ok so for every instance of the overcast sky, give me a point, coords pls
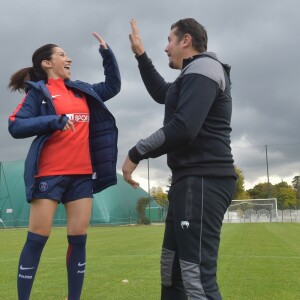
(259, 39)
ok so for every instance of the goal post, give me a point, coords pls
(252, 210)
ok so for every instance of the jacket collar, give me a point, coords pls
(192, 58)
(84, 87)
(39, 85)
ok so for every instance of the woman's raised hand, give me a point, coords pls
(100, 40)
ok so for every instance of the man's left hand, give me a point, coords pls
(127, 169)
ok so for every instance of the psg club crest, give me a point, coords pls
(43, 186)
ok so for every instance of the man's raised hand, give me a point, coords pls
(135, 39)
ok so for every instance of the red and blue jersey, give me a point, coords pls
(67, 152)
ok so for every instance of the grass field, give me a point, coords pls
(257, 261)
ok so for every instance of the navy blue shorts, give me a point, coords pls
(63, 188)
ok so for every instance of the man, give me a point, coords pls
(196, 138)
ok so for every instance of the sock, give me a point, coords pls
(28, 264)
(76, 265)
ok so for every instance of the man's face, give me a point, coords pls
(174, 51)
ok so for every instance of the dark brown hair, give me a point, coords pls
(195, 29)
(34, 73)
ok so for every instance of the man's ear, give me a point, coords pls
(46, 64)
(187, 40)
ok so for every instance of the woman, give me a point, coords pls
(73, 155)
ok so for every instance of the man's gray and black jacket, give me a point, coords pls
(198, 107)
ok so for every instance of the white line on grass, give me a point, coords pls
(89, 257)
(260, 256)
(157, 256)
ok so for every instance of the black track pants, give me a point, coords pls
(192, 237)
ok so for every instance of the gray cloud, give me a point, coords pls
(259, 39)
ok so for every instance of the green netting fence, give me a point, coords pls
(113, 206)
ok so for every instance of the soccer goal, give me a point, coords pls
(252, 210)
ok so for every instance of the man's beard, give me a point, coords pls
(172, 66)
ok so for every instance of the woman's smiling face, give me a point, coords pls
(59, 65)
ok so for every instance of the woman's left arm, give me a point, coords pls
(112, 84)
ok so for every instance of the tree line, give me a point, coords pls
(288, 196)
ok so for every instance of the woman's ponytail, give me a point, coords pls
(34, 73)
(17, 80)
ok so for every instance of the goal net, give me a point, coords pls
(252, 210)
